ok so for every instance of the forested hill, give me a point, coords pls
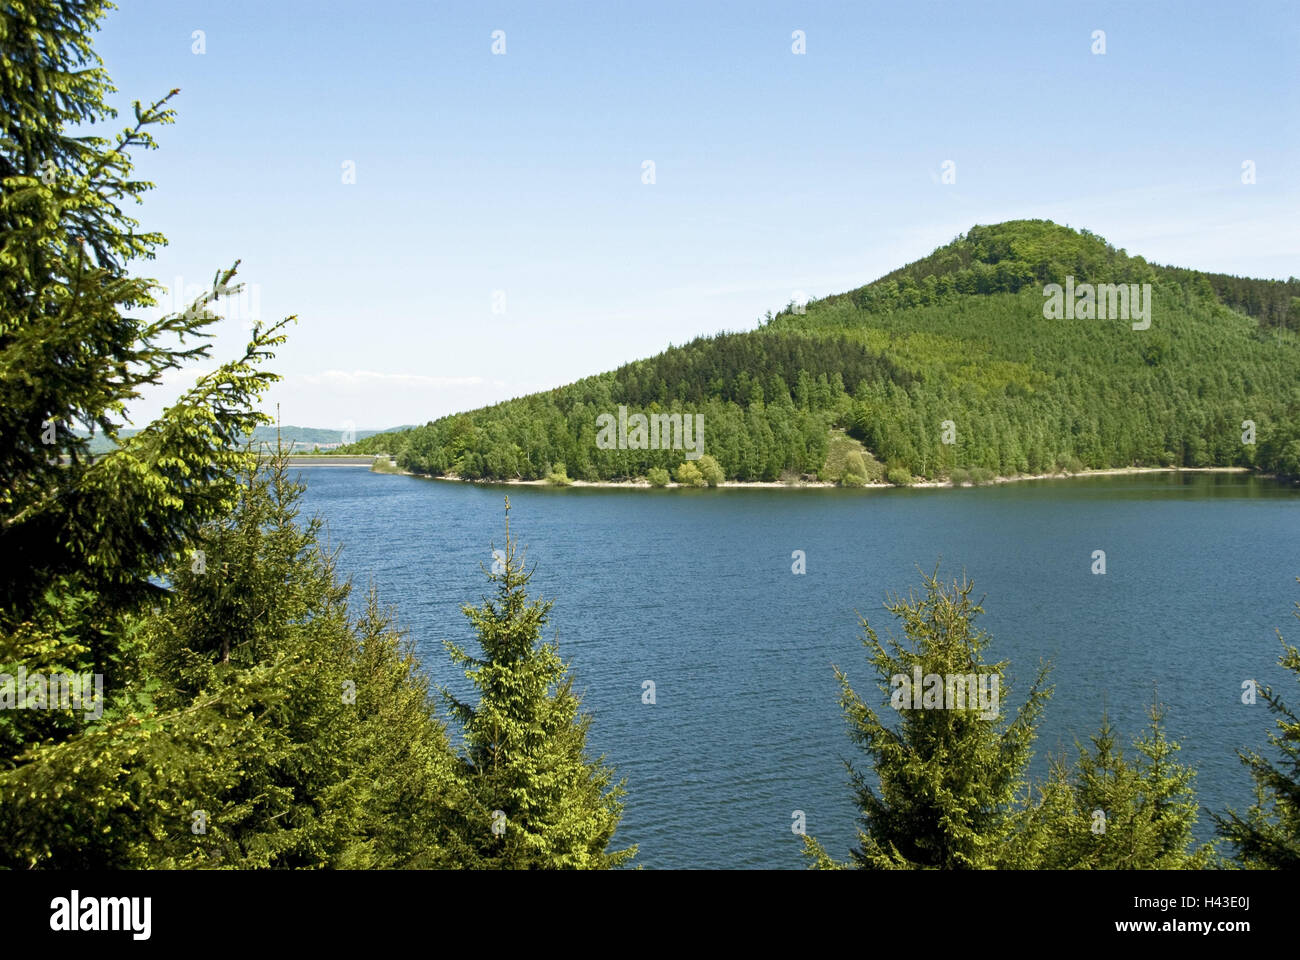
(945, 366)
(1009, 256)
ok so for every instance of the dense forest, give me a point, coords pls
(944, 368)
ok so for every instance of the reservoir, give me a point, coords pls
(694, 590)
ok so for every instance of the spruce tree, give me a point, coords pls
(415, 808)
(1267, 835)
(1110, 813)
(82, 540)
(72, 355)
(306, 738)
(539, 801)
(950, 779)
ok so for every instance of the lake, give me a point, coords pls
(694, 591)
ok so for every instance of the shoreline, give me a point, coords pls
(827, 485)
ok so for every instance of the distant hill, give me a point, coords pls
(952, 363)
(296, 439)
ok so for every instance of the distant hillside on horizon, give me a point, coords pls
(293, 438)
(956, 363)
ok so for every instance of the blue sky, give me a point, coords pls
(775, 173)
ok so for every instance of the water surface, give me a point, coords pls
(694, 590)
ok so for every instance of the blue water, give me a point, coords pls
(694, 590)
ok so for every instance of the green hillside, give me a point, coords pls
(954, 347)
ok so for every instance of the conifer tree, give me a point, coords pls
(1110, 813)
(82, 541)
(310, 740)
(72, 355)
(416, 803)
(539, 801)
(1267, 835)
(951, 789)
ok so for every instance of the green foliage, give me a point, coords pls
(411, 806)
(1279, 448)
(253, 707)
(711, 470)
(65, 293)
(1156, 349)
(855, 465)
(1267, 836)
(950, 783)
(240, 687)
(1011, 256)
(247, 720)
(688, 475)
(1108, 813)
(958, 476)
(899, 477)
(525, 741)
(960, 336)
(392, 443)
(331, 754)
(849, 463)
(951, 788)
(558, 477)
(82, 542)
